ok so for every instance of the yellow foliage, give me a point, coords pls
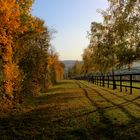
(8, 86)
(7, 54)
(11, 23)
(53, 62)
(5, 105)
(15, 20)
(10, 72)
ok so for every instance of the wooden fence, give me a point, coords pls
(127, 81)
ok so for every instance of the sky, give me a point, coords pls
(71, 19)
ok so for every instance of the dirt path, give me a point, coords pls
(74, 110)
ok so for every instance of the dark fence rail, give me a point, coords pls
(131, 81)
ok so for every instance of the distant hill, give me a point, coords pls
(68, 64)
(134, 69)
(136, 64)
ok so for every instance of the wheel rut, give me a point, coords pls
(120, 106)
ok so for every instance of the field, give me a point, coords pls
(75, 110)
(125, 86)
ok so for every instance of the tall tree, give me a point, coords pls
(77, 68)
(55, 67)
(124, 17)
(11, 17)
(15, 19)
(101, 46)
(33, 58)
(87, 62)
(115, 41)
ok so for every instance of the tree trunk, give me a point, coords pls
(7, 70)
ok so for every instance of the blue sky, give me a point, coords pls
(71, 19)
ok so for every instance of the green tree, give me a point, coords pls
(34, 59)
(77, 68)
(124, 17)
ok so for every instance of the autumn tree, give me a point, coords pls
(17, 27)
(70, 73)
(76, 70)
(12, 22)
(87, 61)
(33, 58)
(55, 67)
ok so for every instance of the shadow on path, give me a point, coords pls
(106, 127)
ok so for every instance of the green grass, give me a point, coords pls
(124, 89)
(75, 110)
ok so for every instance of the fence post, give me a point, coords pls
(108, 81)
(103, 81)
(120, 83)
(93, 79)
(130, 83)
(96, 80)
(100, 81)
(114, 83)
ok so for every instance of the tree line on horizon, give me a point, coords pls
(28, 63)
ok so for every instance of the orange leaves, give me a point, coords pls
(10, 14)
(11, 23)
(55, 65)
(10, 75)
(9, 72)
(3, 38)
(7, 54)
(16, 24)
(8, 87)
(6, 4)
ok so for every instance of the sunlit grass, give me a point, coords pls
(74, 110)
(124, 86)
